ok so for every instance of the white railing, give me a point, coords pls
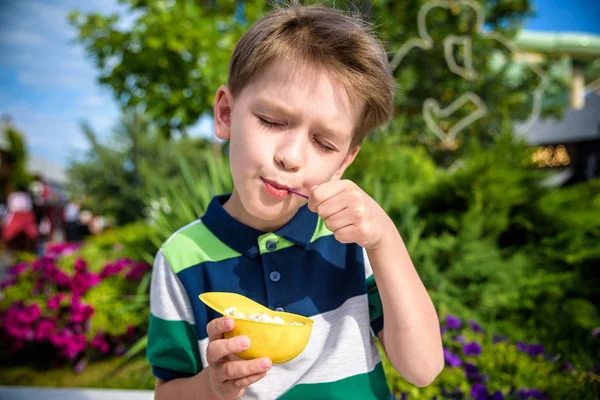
(37, 393)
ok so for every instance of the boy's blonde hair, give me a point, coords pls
(325, 38)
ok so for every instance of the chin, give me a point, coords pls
(266, 208)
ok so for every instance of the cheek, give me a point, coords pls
(320, 172)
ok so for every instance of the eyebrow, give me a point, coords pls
(280, 108)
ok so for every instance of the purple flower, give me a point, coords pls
(498, 339)
(536, 394)
(479, 392)
(596, 332)
(535, 349)
(452, 359)
(472, 349)
(443, 329)
(475, 327)
(472, 373)
(459, 339)
(497, 395)
(567, 366)
(453, 322)
(522, 347)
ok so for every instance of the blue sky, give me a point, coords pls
(48, 86)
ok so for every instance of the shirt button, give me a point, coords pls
(279, 308)
(271, 245)
(275, 276)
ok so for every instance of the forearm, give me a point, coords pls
(196, 387)
(411, 325)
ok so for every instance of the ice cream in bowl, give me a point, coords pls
(279, 335)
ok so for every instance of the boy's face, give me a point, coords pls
(288, 128)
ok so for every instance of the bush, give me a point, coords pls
(61, 307)
(495, 244)
(482, 366)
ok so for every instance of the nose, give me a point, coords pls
(290, 151)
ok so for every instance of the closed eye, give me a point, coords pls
(268, 124)
(323, 147)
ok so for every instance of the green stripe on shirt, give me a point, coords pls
(174, 345)
(369, 386)
(182, 250)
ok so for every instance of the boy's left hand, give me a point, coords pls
(351, 214)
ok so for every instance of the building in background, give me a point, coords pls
(570, 145)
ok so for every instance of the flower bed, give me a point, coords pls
(489, 367)
(60, 307)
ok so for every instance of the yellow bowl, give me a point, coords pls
(280, 343)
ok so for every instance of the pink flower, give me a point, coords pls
(19, 330)
(80, 312)
(17, 269)
(60, 338)
(100, 343)
(137, 271)
(114, 268)
(130, 331)
(80, 265)
(59, 277)
(11, 280)
(29, 314)
(44, 329)
(80, 366)
(54, 301)
(83, 281)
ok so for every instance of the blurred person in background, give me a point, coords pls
(20, 230)
(71, 222)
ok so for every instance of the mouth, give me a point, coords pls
(275, 189)
(275, 184)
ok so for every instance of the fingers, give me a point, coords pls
(340, 220)
(222, 348)
(218, 326)
(243, 383)
(324, 192)
(236, 370)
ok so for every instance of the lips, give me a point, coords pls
(275, 189)
(275, 184)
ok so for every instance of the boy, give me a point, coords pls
(305, 86)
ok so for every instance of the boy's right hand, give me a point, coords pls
(229, 375)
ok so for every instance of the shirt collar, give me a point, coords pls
(244, 239)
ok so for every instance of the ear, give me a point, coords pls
(345, 164)
(222, 111)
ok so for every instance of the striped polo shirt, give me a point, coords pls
(300, 268)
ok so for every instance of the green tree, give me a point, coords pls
(172, 59)
(17, 159)
(113, 176)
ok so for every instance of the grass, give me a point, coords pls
(136, 374)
